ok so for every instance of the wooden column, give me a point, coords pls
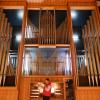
(72, 48)
(54, 27)
(39, 35)
(64, 82)
(21, 50)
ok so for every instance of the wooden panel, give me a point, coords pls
(52, 1)
(24, 93)
(13, 4)
(88, 93)
(8, 93)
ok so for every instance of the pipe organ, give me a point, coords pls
(47, 50)
(47, 28)
(46, 61)
(6, 68)
(91, 39)
(47, 32)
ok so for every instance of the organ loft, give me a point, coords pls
(57, 40)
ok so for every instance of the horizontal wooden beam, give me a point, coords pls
(73, 5)
(98, 3)
(48, 46)
(12, 4)
(47, 7)
(36, 77)
(20, 4)
(82, 6)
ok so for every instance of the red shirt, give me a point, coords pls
(47, 90)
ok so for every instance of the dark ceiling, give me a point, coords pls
(82, 16)
(16, 23)
(60, 16)
(13, 18)
(78, 23)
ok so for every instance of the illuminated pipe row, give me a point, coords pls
(5, 38)
(47, 29)
(62, 33)
(91, 45)
(41, 65)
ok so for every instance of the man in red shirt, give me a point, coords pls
(47, 90)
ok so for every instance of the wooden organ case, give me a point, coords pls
(47, 52)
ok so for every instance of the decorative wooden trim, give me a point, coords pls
(48, 46)
(82, 6)
(98, 3)
(21, 48)
(12, 4)
(63, 6)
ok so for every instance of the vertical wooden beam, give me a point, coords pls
(51, 32)
(45, 34)
(65, 34)
(54, 26)
(72, 48)
(64, 82)
(49, 35)
(42, 27)
(21, 48)
(48, 29)
(39, 35)
(71, 43)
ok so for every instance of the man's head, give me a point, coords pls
(47, 81)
